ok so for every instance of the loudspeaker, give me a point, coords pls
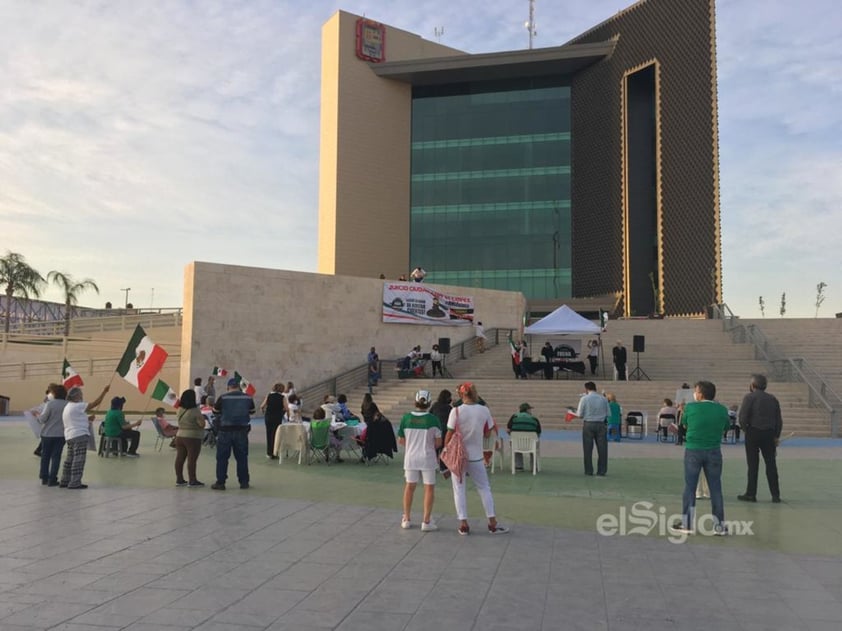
(639, 344)
(444, 345)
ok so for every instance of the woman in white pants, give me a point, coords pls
(474, 421)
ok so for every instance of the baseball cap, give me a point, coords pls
(233, 382)
(524, 407)
(422, 394)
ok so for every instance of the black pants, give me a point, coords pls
(594, 361)
(437, 366)
(130, 438)
(595, 432)
(621, 372)
(761, 441)
(271, 428)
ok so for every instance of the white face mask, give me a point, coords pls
(50, 396)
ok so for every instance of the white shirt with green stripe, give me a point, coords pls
(420, 431)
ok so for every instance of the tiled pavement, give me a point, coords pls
(129, 555)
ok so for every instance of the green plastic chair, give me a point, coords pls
(320, 441)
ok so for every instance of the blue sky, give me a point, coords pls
(138, 136)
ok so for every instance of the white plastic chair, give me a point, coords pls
(494, 444)
(291, 437)
(526, 443)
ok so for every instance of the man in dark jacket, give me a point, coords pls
(235, 408)
(760, 418)
(523, 421)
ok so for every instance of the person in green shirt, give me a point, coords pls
(705, 420)
(115, 424)
(615, 417)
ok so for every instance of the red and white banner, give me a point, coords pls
(417, 303)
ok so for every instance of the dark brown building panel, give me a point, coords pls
(676, 38)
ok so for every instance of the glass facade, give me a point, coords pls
(490, 201)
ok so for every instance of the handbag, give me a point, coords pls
(453, 455)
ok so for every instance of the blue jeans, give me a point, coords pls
(614, 430)
(239, 443)
(696, 460)
(51, 448)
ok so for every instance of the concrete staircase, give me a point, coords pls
(676, 351)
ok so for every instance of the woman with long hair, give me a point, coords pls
(474, 422)
(188, 440)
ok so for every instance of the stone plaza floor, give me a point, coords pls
(320, 547)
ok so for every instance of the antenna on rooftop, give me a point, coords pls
(530, 23)
(438, 32)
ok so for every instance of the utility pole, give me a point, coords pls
(127, 290)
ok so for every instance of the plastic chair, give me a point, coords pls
(112, 444)
(348, 439)
(319, 441)
(526, 443)
(160, 438)
(664, 422)
(634, 425)
(289, 438)
(494, 444)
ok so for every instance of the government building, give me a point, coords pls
(585, 170)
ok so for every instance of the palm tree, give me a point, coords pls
(18, 278)
(71, 290)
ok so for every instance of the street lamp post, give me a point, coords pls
(127, 290)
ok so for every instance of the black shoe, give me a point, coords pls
(63, 485)
(776, 500)
(218, 486)
(44, 481)
(244, 485)
(590, 474)
(196, 484)
(181, 482)
(52, 483)
(81, 486)
(747, 498)
(601, 475)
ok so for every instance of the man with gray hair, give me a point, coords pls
(760, 418)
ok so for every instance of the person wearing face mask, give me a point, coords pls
(52, 433)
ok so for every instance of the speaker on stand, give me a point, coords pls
(638, 346)
(444, 349)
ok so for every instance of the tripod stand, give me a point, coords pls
(638, 370)
(444, 371)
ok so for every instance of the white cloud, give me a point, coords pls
(136, 137)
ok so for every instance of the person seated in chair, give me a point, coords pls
(331, 408)
(666, 410)
(166, 429)
(735, 426)
(346, 414)
(523, 421)
(334, 442)
(116, 425)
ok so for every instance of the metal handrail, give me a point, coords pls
(358, 375)
(52, 369)
(790, 369)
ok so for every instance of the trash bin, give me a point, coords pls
(4, 405)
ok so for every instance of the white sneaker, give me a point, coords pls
(428, 526)
(405, 523)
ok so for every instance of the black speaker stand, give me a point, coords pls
(638, 372)
(444, 371)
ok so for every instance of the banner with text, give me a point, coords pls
(415, 303)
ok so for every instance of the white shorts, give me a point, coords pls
(413, 476)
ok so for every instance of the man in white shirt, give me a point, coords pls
(593, 410)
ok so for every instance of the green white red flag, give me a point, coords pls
(515, 352)
(219, 372)
(245, 384)
(70, 377)
(162, 392)
(142, 360)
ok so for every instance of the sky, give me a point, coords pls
(136, 137)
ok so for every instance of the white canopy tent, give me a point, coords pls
(565, 321)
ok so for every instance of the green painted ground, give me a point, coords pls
(809, 521)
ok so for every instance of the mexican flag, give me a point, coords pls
(245, 384)
(142, 360)
(219, 372)
(515, 352)
(70, 377)
(164, 393)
